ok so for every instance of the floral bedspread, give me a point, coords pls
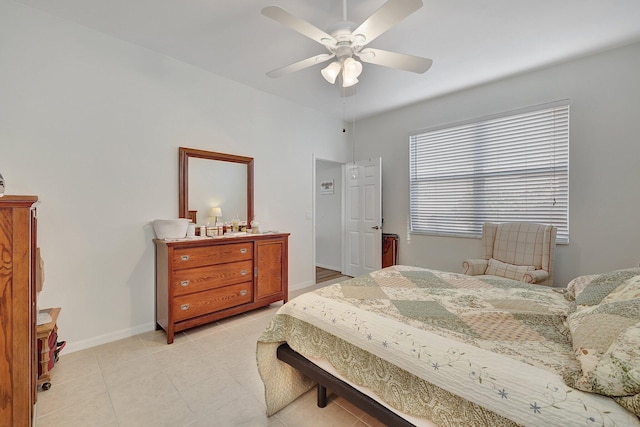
(455, 349)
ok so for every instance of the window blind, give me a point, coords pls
(512, 167)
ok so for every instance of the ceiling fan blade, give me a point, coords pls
(415, 64)
(300, 25)
(389, 14)
(300, 65)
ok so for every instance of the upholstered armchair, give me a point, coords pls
(520, 251)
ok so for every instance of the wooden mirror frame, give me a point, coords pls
(184, 154)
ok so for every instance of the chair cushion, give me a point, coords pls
(605, 332)
(509, 271)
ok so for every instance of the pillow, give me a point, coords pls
(605, 332)
(510, 271)
(602, 285)
(576, 286)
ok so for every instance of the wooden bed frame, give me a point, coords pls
(326, 380)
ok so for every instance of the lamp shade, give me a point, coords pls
(331, 71)
(216, 212)
(351, 70)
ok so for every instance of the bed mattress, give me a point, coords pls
(449, 348)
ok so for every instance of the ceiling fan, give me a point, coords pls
(347, 45)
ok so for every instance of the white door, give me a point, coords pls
(363, 217)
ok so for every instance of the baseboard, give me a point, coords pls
(140, 329)
(107, 338)
(302, 285)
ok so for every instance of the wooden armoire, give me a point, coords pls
(18, 354)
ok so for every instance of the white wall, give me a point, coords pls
(92, 125)
(328, 215)
(604, 90)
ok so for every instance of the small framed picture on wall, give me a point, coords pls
(326, 187)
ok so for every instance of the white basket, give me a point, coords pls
(171, 228)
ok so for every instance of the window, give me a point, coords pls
(511, 167)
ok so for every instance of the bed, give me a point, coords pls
(441, 348)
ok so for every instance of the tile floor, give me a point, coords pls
(207, 377)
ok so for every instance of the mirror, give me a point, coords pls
(207, 179)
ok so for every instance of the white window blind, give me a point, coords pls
(513, 167)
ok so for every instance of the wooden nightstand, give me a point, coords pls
(47, 335)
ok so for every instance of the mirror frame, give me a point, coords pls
(184, 154)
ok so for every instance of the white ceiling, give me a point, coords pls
(470, 41)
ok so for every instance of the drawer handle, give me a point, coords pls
(184, 283)
(243, 293)
(243, 250)
(184, 307)
(243, 272)
(184, 258)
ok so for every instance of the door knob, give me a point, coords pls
(375, 228)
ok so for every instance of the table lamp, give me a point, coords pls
(215, 214)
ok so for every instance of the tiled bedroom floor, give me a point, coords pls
(207, 377)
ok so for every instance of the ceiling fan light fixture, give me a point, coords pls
(331, 71)
(348, 81)
(352, 68)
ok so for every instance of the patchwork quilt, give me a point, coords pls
(453, 349)
(605, 330)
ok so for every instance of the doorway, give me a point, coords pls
(328, 217)
(344, 191)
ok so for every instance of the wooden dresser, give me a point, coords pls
(202, 280)
(18, 354)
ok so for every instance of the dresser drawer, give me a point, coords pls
(211, 277)
(193, 305)
(207, 255)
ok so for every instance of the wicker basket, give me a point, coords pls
(171, 228)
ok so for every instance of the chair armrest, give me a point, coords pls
(535, 276)
(475, 267)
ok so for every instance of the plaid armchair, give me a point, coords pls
(521, 251)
